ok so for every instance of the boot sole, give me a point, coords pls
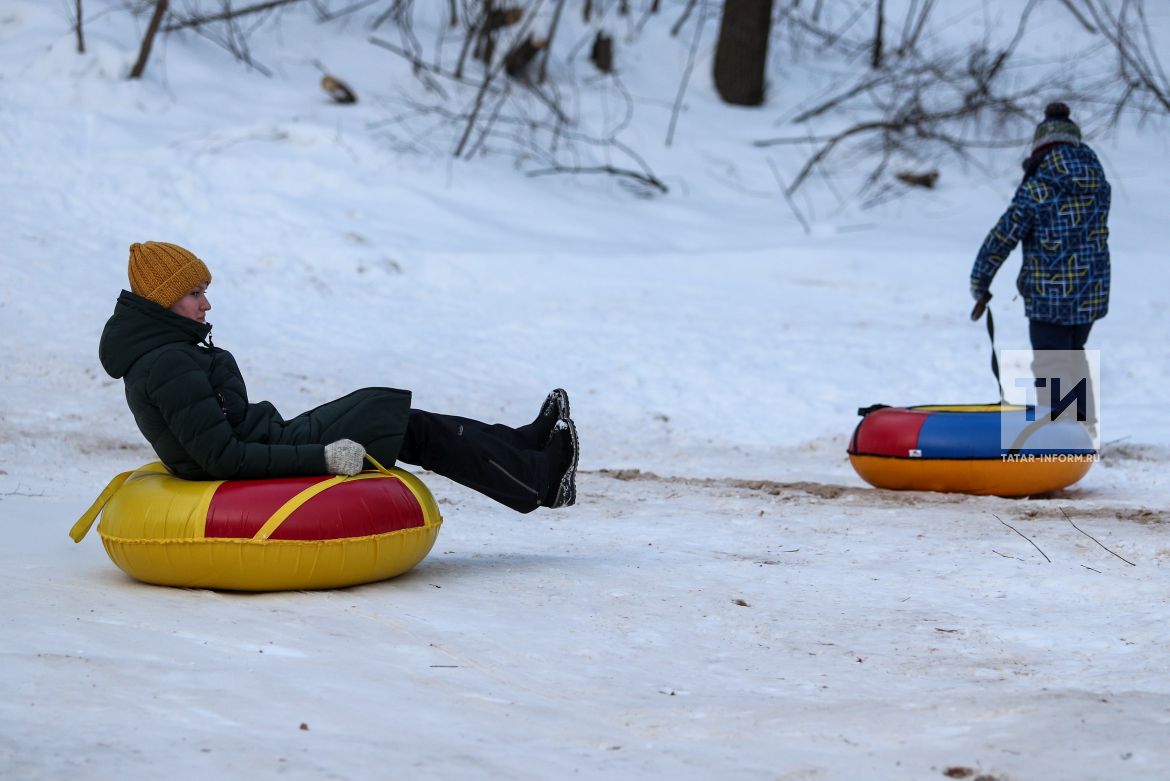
(567, 490)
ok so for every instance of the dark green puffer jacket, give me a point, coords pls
(190, 402)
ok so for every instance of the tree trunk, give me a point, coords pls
(742, 51)
(160, 10)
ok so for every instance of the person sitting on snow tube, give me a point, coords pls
(190, 402)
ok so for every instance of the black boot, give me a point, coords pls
(563, 452)
(555, 407)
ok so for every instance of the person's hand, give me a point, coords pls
(981, 296)
(344, 457)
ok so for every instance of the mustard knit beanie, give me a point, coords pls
(163, 272)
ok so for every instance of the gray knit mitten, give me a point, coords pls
(344, 457)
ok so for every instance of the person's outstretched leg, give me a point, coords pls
(486, 458)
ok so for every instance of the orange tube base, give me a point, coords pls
(1007, 477)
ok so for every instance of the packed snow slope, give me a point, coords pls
(727, 599)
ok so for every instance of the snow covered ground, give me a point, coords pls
(727, 600)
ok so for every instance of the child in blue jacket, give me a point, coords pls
(1061, 213)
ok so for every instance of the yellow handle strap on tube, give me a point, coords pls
(85, 522)
(377, 466)
(292, 505)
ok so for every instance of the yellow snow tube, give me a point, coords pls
(264, 535)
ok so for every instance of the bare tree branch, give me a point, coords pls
(230, 13)
(552, 34)
(875, 60)
(912, 31)
(80, 32)
(325, 15)
(605, 169)
(682, 87)
(683, 19)
(1072, 9)
(1144, 66)
(917, 106)
(419, 65)
(521, 34)
(788, 196)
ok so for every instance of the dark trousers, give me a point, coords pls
(1068, 363)
(1054, 336)
(498, 461)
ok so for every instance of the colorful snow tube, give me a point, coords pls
(986, 449)
(264, 535)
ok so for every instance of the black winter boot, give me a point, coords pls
(563, 452)
(554, 408)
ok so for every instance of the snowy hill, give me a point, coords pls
(727, 600)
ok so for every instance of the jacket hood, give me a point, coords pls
(1062, 156)
(138, 326)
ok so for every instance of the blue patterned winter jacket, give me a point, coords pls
(1061, 214)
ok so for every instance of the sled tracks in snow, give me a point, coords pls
(804, 491)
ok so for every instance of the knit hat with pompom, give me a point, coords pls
(1056, 128)
(164, 273)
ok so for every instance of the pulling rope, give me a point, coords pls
(981, 307)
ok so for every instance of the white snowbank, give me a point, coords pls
(688, 621)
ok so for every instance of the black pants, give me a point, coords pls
(1054, 336)
(1066, 344)
(500, 462)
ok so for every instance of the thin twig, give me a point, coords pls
(325, 15)
(472, 32)
(421, 69)
(1072, 9)
(485, 131)
(1115, 32)
(788, 196)
(17, 492)
(1017, 531)
(483, 88)
(913, 26)
(419, 64)
(80, 32)
(491, 73)
(395, 8)
(682, 87)
(552, 34)
(829, 145)
(604, 169)
(837, 100)
(1094, 539)
(199, 21)
(683, 19)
